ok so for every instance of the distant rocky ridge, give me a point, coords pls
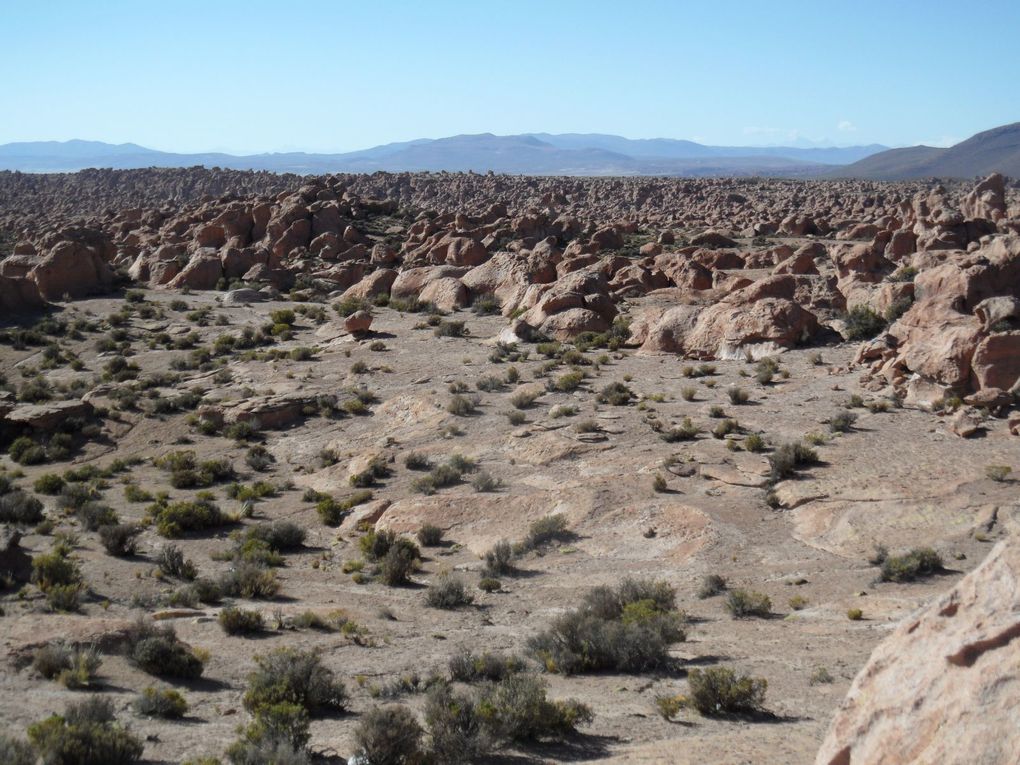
(535, 154)
(992, 151)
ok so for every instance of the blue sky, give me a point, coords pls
(336, 76)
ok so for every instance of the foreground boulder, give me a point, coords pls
(942, 688)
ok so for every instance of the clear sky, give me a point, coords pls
(190, 75)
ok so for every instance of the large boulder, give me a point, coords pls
(942, 689)
(987, 199)
(71, 268)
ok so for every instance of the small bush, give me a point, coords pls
(120, 539)
(754, 443)
(388, 736)
(862, 323)
(54, 569)
(400, 562)
(430, 535)
(490, 584)
(447, 328)
(998, 473)
(86, 734)
(156, 650)
(174, 519)
(20, 508)
(249, 580)
(854, 614)
(468, 667)
(287, 675)
(919, 562)
(446, 591)
(417, 461)
(685, 431)
(462, 406)
(16, 752)
(711, 585)
(737, 396)
(548, 529)
(48, 483)
(71, 667)
(499, 559)
(459, 730)
(743, 604)
(615, 394)
(171, 561)
(240, 621)
(842, 422)
(720, 691)
(167, 703)
(484, 482)
(785, 460)
(519, 710)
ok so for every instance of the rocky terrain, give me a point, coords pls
(538, 469)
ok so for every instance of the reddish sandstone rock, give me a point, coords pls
(996, 361)
(358, 322)
(71, 268)
(942, 688)
(202, 273)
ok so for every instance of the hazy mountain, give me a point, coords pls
(995, 150)
(535, 154)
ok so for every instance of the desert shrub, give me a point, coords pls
(389, 736)
(468, 667)
(489, 584)
(798, 602)
(854, 614)
(71, 667)
(14, 751)
(417, 461)
(258, 458)
(120, 539)
(277, 736)
(48, 483)
(174, 519)
(25, 451)
(430, 535)
(685, 431)
(754, 443)
(171, 561)
(742, 604)
(54, 569)
(446, 591)
(86, 734)
(862, 323)
(518, 709)
(400, 561)
(64, 597)
(499, 559)
(725, 428)
(458, 729)
(615, 394)
(282, 536)
(447, 328)
(93, 516)
(490, 383)
(332, 511)
(998, 473)
(485, 482)
(842, 421)
(156, 650)
(548, 529)
(785, 460)
(249, 580)
(523, 399)
(20, 508)
(568, 382)
(290, 676)
(919, 562)
(186, 472)
(720, 691)
(737, 396)
(167, 703)
(627, 629)
(240, 621)
(461, 405)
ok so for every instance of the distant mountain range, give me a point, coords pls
(995, 150)
(561, 154)
(534, 154)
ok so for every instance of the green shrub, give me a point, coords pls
(737, 396)
(862, 323)
(86, 734)
(615, 394)
(156, 650)
(25, 451)
(281, 536)
(517, 709)
(54, 569)
(14, 751)
(467, 667)
(720, 691)
(64, 597)
(448, 328)
(174, 519)
(458, 729)
(20, 508)
(48, 483)
(919, 562)
(120, 539)
(287, 675)
(400, 561)
(842, 421)
(685, 431)
(171, 561)
(71, 667)
(240, 621)
(489, 584)
(389, 736)
(167, 703)
(249, 580)
(785, 460)
(277, 736)
(417, 461)
(627, 629)
(742, 604)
